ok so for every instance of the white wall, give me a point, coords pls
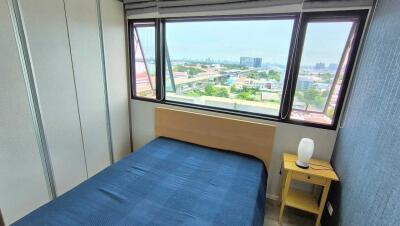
(112, 16)
(48, 42)
(84, 37)
(287, 138)
(22, 180)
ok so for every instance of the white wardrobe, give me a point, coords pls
(64, 97)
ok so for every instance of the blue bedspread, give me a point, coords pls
(166, 182)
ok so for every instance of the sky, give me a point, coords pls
(230, 40)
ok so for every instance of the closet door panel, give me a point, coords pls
(84, 36)
(112, 16)
(23, 185)
(46, 33)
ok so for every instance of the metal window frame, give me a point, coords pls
(292, 67)
(266, 17)
(132, 69)
(357, 16)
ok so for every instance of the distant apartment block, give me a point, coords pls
(320, 66)
(250, 61)
(333, 67)
(304, 82)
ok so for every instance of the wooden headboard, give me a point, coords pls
(241, 136)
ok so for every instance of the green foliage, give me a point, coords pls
(274, 75)
(233, 89)
(257, 75)
(326, 77)
(190, 64)
(221, 92)
(311, 96)
(251, 91)
(194, 71)
(245, 96)
(234, 67)
(271, 75)
(190, 70)
(179, 67)
(210, 90)
(195, 93)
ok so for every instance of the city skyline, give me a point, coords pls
(224, 44)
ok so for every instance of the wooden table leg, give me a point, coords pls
(284, 194)
(323, 201)
(284, 174)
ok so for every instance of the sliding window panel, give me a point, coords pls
(47, 39)
(113, 25)
(21, 169)
(84, 36)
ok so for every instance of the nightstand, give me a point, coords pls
(320, 173)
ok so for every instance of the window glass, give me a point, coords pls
(324, 60)
(144, 59)
(236, 65)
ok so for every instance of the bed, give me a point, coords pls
(171, 182)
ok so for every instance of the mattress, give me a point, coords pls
(166, 182)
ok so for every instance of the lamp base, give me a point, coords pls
(302, 165)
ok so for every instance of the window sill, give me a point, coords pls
(238, 113)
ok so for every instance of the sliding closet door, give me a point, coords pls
(22, 179)
(84, 33)
(47, 38)
(112, 16)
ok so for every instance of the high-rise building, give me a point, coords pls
(250, 61)
(257, 62)
(333, 67)
(320, 66)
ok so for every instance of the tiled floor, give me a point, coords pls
(291, 216)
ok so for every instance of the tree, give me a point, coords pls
(326, 77)
(257, 75)
(311, 96)
(233, 67)
(245, 96)
(221, 92)
(251, 90)
(209, 90)
(233, 89)
(195, 93)
(274, 75)
(191, 70)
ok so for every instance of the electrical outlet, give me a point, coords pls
(330, 208)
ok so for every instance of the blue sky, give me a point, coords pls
(270, 40)
(230, 40)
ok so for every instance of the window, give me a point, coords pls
(277, 67)
(324, 68)
(236, 65)
(143, 52)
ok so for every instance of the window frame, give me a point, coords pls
(132, 69)
(358, 16)
(292, 67)
(294, 16)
